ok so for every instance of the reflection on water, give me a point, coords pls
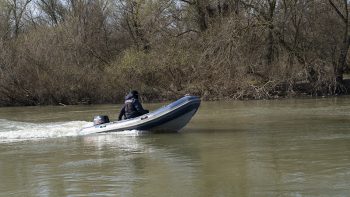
(252, 148)
(106, 165)
(148, 163)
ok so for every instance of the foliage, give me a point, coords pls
(83, 51)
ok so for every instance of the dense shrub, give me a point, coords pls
(71, 52)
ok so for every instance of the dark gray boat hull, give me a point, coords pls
(170, 118)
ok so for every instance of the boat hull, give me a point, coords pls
(170, 118)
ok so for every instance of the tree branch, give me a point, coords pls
(189, 2)
(338, 11)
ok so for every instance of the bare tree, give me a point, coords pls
(342, 10)
(265, 12)
(17, 9)
(54, 9)
(5, 21)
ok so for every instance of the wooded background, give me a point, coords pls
(95, 51)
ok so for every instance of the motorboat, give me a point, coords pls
(170, 118)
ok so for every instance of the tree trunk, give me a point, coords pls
(201, 18)
(344, 47)
(339, 67)
(270, 47)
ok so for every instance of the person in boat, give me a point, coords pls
(132, 107)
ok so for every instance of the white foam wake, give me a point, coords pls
(13, 130)
(18, 131)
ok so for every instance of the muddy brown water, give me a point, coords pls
(296, 147)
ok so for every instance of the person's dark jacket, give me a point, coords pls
(132, 108)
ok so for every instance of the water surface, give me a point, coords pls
(298, 147)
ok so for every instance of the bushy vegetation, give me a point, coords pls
(94, 51)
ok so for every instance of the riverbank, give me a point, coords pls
(300, 90)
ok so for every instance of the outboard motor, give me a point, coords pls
(102, 119)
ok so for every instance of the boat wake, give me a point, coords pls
(18, 131)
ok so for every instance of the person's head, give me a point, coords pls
(135, 94)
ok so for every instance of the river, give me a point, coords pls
(294, 147)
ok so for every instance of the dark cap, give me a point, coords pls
(135, 94)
